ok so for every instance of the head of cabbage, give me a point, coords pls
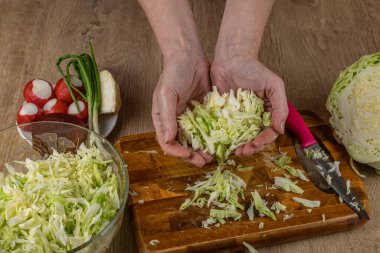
(354, 105)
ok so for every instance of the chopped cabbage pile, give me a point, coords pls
(354, 105)
(222, 189)
(223, 122)
(58, 204)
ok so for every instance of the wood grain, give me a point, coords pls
(306, 42)
(160, 181)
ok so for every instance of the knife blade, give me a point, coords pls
(322, 163)
(309, 167)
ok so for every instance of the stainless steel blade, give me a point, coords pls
(311, 170)
(324, 167)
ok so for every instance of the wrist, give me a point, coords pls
(176, 49)
(233, 48)
(242, 28)
(189, 55)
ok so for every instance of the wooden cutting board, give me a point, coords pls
(160, 182)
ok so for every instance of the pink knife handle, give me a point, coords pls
(297, 125)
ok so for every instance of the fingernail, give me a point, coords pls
(282, 128)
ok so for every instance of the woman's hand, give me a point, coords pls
(185, 77)
(243, 70)
(236, 66)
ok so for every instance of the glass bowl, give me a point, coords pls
(38, 139)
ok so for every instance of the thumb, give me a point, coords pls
(168, 114)
(277, 98)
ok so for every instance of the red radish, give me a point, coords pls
(62, 92)
(55, 106)
(28, 112)
(82, 114)
(38, 92)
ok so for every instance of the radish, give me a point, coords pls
(38, 92)
(82, 114)
(55, 106)
(28, 112)
(63, 93)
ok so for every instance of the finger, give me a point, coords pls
(265, 137)
(222, 88)
(167, 107)
(196, 159)
(206, 156)
(239, 151)
(176, 150)
(277, 97)
(173, 149)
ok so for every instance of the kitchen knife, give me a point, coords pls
(323, 164)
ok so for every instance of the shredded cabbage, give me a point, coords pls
(348, 185)
(287, 185)
(250, 248)
(247, 168)
(283, 162)
(354, 105)
(278, 207)
(223, 122)
(154, 243)
(221, 191)
(287, 217)
(307, 203)
(302, 176)
(261, 206)
(58, 204)
(250, 212)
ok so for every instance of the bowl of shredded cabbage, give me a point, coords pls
(63, 188)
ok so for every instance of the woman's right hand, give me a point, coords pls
(185, 77)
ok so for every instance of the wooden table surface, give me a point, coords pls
(307, 42)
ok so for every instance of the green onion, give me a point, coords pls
(86, 68)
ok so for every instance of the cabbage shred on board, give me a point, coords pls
(354, 105)
(223, 122)
(59, 203)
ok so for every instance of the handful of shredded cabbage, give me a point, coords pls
(223, 122)
(58, 204)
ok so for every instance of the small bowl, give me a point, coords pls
(37, 140)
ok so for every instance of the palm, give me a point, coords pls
(248, 73)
